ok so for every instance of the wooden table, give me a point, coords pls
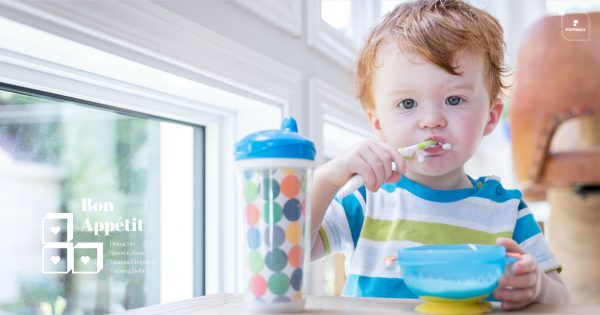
(234, 304)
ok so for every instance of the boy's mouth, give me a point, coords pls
(436, 149)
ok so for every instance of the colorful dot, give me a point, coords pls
(272, 215)
(251, 214)
(293, 233)
(258, 285)
(268, 187)
(274, 236)
(290, 186)
(250, 191)
(248, 174)
(281, 299)
(296, 279)
(276, 260)
(256, 262)
(253, 238)
(288, 171)
(279, 283)
(295, 256)
(292, 209)
(298, 296)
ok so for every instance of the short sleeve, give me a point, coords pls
(529, 236)
(343, 221)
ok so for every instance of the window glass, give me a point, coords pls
(338, 14)
(558, 7)
(83, 190)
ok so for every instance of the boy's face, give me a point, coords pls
(416, 100)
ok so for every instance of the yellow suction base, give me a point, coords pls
(435, 305)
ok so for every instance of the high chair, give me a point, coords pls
(555, 131)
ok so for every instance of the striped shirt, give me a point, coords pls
(368, 226)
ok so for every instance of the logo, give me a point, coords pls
(576, 27)
(59, 255)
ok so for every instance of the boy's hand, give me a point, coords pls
(372, 160)
(522, 287)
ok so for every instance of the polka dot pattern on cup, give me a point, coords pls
(274, 236)
(275, 219)
(258, 285)
(292, 209)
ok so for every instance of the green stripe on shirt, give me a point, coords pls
(425, 232)
(325, 241)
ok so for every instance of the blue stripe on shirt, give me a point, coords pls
(525, 228)
(354, 214)
(490, 189)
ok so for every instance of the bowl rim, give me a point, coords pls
(451, 253)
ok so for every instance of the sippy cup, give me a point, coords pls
(274, 169)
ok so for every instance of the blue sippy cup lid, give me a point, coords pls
(283, 143)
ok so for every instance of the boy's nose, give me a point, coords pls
(432, 118)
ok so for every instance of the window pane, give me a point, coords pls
(84, 194)
(558, 7)
(338, 14)
(336, 139)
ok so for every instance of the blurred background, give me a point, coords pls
(122, 110)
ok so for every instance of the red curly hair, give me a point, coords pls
(436, 30)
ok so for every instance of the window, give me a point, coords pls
(102, 206)
(559, 7)
(242, 98)
(337, 28)
(338, 14)
(336, 140)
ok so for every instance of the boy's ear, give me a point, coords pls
(374, 122)
(494, 116)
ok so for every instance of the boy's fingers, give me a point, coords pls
(362, 167)
(385, 159)
(526, 264)
(396, 157)
(394, 178)
(514, 295)
(375, 165)
(519, 282)
(510, 245)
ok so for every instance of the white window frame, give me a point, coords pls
(333, 43)
(125, 29)
(330, 105)
(330, 42)
(284, 14)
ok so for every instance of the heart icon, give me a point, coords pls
(55, 259)
(55, 229)
(85, 259)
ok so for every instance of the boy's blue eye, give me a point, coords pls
(453, 100)
(408, 103)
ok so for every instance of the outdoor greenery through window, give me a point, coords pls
(83, 191)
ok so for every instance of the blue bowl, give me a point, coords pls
(453, 271)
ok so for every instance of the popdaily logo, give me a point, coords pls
(576, 27)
